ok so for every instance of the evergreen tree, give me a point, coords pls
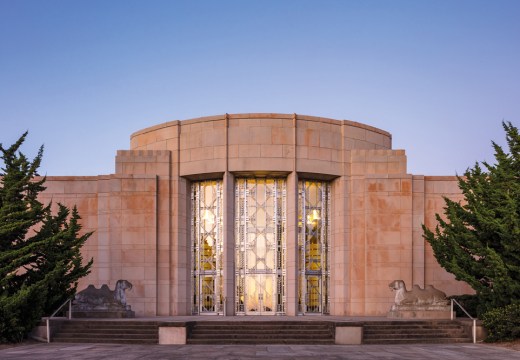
(40, 259)
(479, 242)
(61, 251)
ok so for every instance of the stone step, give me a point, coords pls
(119, 332)
(404, 331)
(106, 324)
(109, 329)
(413, 336)
(259, 341)
(111, 322)
(410, 322)
(413, 327)
(256, 332)
(393, 332)
(105, 336)
(249, 334)
(120, 340)
(262, 324)
(257, 329)
(416, 341)
(433, 323)
(259, 335)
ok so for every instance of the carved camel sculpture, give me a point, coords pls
(103, 299)
(417, 296)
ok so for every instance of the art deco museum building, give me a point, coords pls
(260, 214)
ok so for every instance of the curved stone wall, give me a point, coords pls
(260, 142)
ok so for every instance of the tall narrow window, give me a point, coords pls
(313, 246)
(206, 226)
(260, 246)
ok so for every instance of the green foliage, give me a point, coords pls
(40, 258)
(478, 240)
(503, 323)
(60, 252)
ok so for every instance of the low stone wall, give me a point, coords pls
(481, 332)
(39, 332)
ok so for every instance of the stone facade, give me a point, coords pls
(141, 214)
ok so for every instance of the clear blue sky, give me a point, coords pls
(82, 76)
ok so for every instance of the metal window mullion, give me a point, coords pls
(218, 246)
(197, 248)
(304, 246)
(276, 237)
(327, 270)
(193, 248)
(243, 240)
(323, 239)
(200, 207)
(237, 248)
(283, 244)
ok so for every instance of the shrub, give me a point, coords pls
(503, 323)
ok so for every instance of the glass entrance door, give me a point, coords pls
(260, 246)
(260, 294)
(206, 247)
(313, 247)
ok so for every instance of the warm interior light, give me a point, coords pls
(208, 217)
(313, 217)
(209, 241)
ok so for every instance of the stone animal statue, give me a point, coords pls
(103, 298)
(417, 297)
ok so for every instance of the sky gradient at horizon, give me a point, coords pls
(82, 76)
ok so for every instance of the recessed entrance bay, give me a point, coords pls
(259, 247)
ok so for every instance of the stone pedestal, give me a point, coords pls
(420, 312)
(101, 314)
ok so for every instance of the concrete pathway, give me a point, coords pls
(61, 351)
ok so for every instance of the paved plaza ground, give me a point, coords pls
(61, 351)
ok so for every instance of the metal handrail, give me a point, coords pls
(48, 319)
(474, 327)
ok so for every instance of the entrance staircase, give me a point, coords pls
(112, 331)
(408, 332)
(261, 332)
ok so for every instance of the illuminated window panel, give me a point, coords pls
(260, 246)
(313, 246)
(207, 246)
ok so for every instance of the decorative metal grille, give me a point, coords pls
(260, 245)
(313, 246)
(207, 247)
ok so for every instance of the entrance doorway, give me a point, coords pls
(206, 247)
(313, 246)
(260, 246)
